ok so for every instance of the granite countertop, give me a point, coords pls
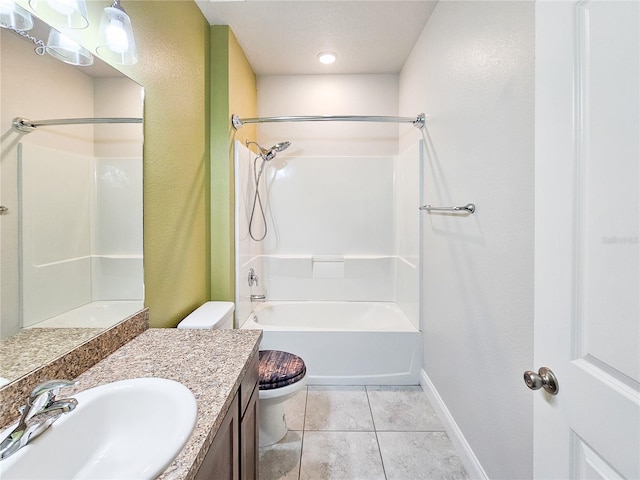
(32, 347)
(211, 363)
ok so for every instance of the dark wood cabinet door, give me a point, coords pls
(222, 461)
(249, 439)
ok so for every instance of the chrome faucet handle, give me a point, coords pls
(53, 411)
(252, 278)
(43, 395)
(51, 386)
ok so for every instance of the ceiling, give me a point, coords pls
(285, 37)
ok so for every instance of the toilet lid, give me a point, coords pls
(278, 369)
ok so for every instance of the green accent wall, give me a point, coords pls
(233, 91)
(173, 45)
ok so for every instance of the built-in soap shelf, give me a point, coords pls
(327, 266)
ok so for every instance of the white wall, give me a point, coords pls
(472, 72)
(288, 95)
(330, 206)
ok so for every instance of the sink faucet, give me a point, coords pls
(39, 413)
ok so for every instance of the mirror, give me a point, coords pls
(71, 227)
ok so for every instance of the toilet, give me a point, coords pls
(210, 315)
(281, 374)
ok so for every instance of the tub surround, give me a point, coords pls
(211, 363)
(67, 363)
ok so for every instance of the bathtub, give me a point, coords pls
(343, 343)
(98, 314)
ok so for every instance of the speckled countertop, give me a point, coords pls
(211, 363)
(32, 347)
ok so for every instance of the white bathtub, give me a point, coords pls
(343, 343)
(99, 314)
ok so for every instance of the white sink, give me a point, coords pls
(122, 430)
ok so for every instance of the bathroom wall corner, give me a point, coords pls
(232, 91)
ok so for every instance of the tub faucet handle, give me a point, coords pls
(252, 278)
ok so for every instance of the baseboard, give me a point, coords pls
(471, 463)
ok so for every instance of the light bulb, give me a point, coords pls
(116, 36)
(327, 57)
(117, 43)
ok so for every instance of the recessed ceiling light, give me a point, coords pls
(327, 57)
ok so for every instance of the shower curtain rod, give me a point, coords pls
(417, 122)
(27, 126)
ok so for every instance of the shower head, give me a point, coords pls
(278, 147)
(271, 153)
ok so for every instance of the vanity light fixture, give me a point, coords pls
(14, 17)
(117, 44)
(327, 57)
(62, 13)
(61, 47)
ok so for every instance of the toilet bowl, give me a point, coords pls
(281, 374)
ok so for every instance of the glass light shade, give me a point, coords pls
(61, 47)
(117, 44)
(327, 57)
(62, 13)
(14, 16)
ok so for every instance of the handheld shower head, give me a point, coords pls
(265, 155)
(271, 153)
(278, 147)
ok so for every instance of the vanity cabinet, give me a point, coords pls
(249, 424)
(222, 460)
(233, 455)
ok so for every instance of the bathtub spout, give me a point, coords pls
(258, 298)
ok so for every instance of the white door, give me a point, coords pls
(587, 327)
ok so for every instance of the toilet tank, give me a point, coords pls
(211, 315)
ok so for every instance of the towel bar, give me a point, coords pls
(468, 208)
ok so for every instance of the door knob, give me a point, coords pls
(543, 379)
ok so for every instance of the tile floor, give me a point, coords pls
(358, 432)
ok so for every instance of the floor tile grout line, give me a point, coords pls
(339, 431)
(375, 431)
(304, 424)
(342, 430)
